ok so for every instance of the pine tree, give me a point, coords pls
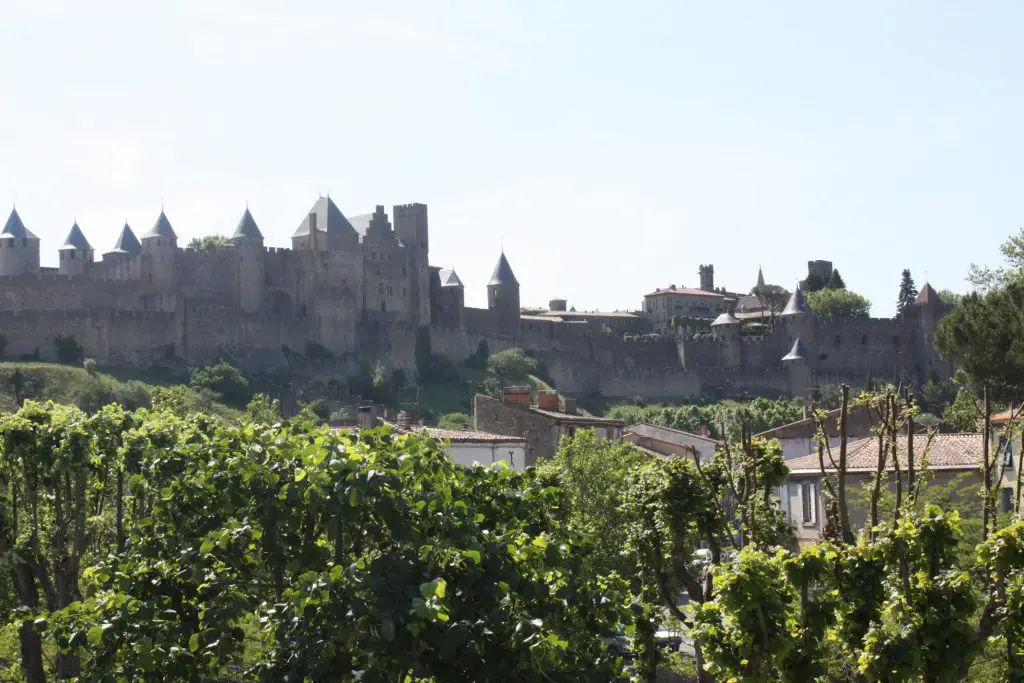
(836, 281)
(908, 292)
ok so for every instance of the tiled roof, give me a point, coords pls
(127, 242)
(162, 228)
(1014, 413)
(946, 451)
(76, 239)
(247, 227)
(467, 436)
(14, 228)
(449, 278)
(796, 304)
(587, 314)
(329, 218)
(580, 419)
(858, 419)
(927, 295)
(687, 291)
(798, 352)
(725, 319)
(502, 274)
(667, 434)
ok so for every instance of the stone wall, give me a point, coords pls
(494, 416)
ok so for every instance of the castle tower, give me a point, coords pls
(760, 279)
(248, 241)
(503, 298)
(127, 244)
(929, 309)
(161, 245)
(707, 277)
(798, 319)
(726, 329)
(19, 247)
(798, 372)
(412, 229)
(76, 254)
(452, 298)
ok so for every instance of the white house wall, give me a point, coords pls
(488, 453)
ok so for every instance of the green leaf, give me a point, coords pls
(96, 634)
(193, 642)
(300, 475)
(473, 555)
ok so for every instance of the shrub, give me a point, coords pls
(69, 351)
(223, 382)
(90, 366)
(263, 409)
(511, 364)
(456, 421)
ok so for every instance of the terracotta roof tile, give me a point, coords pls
(946, 451)
(688, 291)
(668, 434)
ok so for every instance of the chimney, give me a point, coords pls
(547, 400)
(519, 396)
(312, 222)
(570, 405)
(557, 305)
(703, 430)
(365, 417)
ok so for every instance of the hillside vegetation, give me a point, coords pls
(92, 390)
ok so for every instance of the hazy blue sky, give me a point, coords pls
(613, 146)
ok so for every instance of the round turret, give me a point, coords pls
(160, 244)
(19, 248)
(76, 254)
(503, 297)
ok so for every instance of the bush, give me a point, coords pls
(456, 421)
(833, 304)
(222, 382)
(102, 391)
(512, 364)
(263, 410)
(69, 351)
(90, 366)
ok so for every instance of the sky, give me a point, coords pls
(610, 148)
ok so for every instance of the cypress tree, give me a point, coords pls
(908, 292)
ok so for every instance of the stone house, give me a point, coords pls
(542, 425)
(951, 459)
(465, 447)
(662, 305)
(801, 437)
(670, 442)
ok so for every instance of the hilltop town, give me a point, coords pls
(358, 287)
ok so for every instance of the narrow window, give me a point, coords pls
(1007, 502)
(837, 340)
(383, 305)
(807, 498)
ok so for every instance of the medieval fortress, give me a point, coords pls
(360, 287)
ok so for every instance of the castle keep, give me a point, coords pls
(359, 287)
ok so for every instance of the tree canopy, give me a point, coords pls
(908, 292)
(838, 303)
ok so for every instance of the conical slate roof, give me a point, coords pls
(329, 218)
(162, 228)
(247, 227)
(796, 305)
(798, 352)
(725, 319)
(449, 278)
(127, 242)
(760, 278)
(503, 274)
(76, 239)
(14, 228)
